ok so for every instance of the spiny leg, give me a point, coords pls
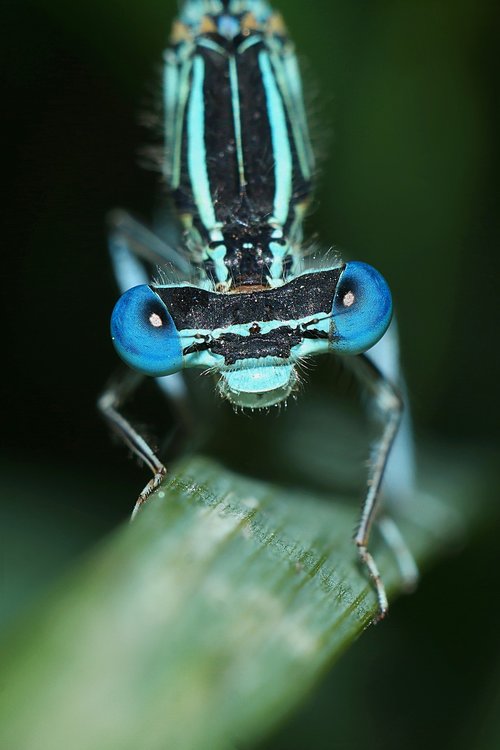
(129, 241)
(400, 473)
(109, 405)
(130, 244)
(399, 485)
(390, 406)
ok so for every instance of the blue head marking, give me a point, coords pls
(228, 26)
(144, 333)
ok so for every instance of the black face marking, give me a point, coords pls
(276, 343)
(198, 309)
(310, 333)
(202, 346)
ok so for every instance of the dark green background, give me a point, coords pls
(402, 100)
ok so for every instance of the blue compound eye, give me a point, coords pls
(362, 309)
(144, 333)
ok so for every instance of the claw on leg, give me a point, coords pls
(109, 406)
(148, 490)
(368, 561)
(389, 406)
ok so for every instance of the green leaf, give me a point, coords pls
(205, 621)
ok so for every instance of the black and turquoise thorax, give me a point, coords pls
(238, 158)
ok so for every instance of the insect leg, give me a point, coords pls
(399, 484)
(400, 472)
(109, 405)
(130, 244)
(389, 406)
(128, 237)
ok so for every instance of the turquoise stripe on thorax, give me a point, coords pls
(197, 156)
(299, 121)
(279, 253)
(288, 77)
(197, 164)
(217, 255)
(175, 106)
(280, 142)
(210, 44)
(170, 99)
(235, 98)
(256, 39)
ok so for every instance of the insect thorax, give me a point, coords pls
(238, 160)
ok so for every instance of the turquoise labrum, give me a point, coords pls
(257, 387)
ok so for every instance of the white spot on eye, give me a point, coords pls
(349, 299)
(155, 320)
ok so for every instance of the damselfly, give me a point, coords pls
(239, 167)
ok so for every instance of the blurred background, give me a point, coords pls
(403, 101)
